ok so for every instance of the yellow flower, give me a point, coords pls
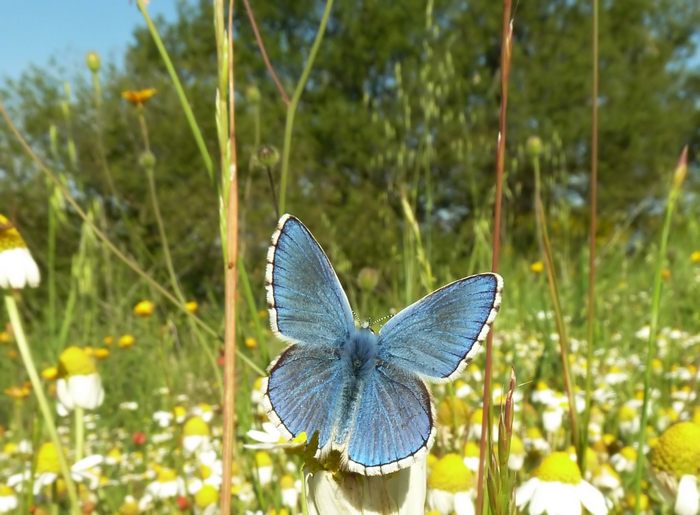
(537, 267)
(666, 274)
(192, 306)
(558, 466)
(144, 309)
(74, 361)
(49, 373)
(126, 341)
(47, 459)
(206, 496)
(251, 342)
(138, 97)
(101, 353)
(5, 337)
(18, 392)
(695, 256)
(108, 340)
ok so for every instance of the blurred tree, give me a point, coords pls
(403, 95)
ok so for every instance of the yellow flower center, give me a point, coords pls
(262, 459)
(627, 414)
(9, 236)
(166, 475)
(286, 482)
(206, 496)
(558, 466)
(695, 256)
(450, 474)
(204, 471)
(47, 460)
(179, 412)
(678, 450)
(629, 453)
(471, 450)
(75, 362)
(196, 427)
(6, 491)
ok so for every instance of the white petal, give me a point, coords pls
(524, 493)
(86, 391)
(688, 498)
(262, 436)
(87, 463)
(592, 498)
(463, 504)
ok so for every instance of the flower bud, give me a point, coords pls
(92, 60)
(368, 278)
(252, 94)
(147, 160)
(534, 147)
(268, 156)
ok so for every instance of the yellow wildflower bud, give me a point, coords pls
(144, 309)
(126, 341)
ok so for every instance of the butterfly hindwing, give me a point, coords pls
(301, 391)
(306, 302)
(438, 335)
(393, 423)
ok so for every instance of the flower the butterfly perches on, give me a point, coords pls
(363, 394)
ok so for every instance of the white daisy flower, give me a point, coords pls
(557, 488)
(79, 385)
(450, 485)
(17, 266)
(8, 499)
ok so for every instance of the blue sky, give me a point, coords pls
(33, 31)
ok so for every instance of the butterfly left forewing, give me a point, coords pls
(438, 335)
(306, 302)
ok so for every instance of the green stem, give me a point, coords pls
(673, 195)
(541, 223)
(194, 127)
(79, 419)
(291, 109)
(38, 389)
(51, 275)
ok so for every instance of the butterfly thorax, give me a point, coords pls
(360, 351)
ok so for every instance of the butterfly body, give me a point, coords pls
(363, 393)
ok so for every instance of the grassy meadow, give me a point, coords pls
(150, 309)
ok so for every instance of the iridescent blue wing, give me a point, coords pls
(437, 336)
(307, 305)
(393, 422)
(302, 390)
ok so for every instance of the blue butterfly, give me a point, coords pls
(363, 392)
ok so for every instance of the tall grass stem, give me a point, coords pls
(231, 278)
(38, 388)
(593, 229)
(294, 103)
(506, 50)
(674, 193)
(184, 102)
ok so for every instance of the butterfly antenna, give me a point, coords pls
(386, 317)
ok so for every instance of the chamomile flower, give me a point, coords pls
(79, 385)
(675, 464)
(558, 488)
(449, 486)
(263, 462)
(625, 460)
(167, 485)
(289, 490)
(8, 499)
(17, 266)
(196, 435)
(206, 500)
